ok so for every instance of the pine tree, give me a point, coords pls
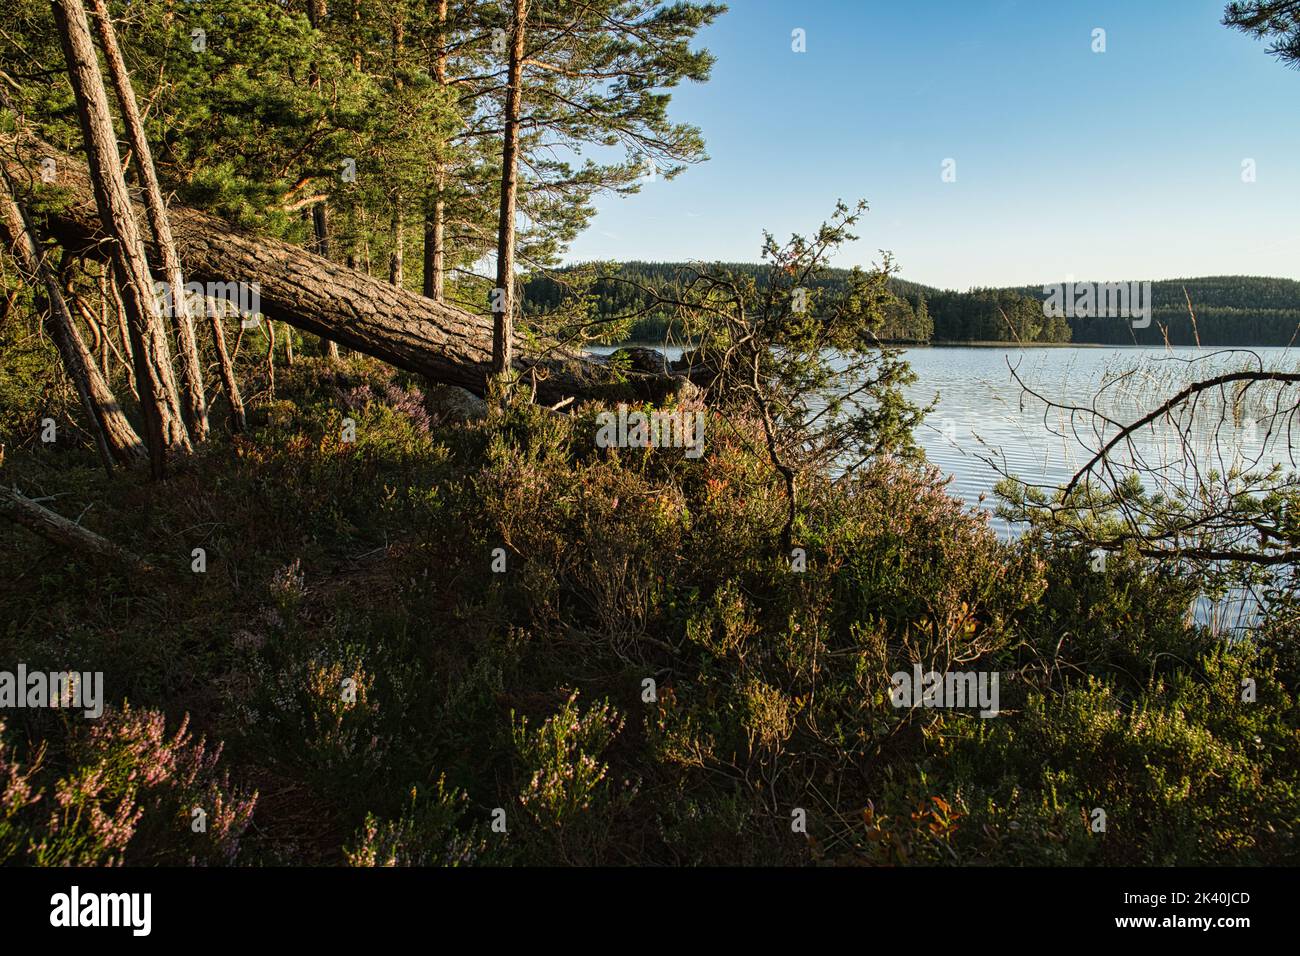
(154, 379)
(195, 405)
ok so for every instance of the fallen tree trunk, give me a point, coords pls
(433, 339)
(58, 529)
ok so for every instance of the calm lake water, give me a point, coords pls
(986, 424)
(984, 418)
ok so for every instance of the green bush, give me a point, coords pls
(649, 679)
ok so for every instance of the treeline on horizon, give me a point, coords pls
(1228, 310)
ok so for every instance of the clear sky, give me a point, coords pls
(1125, 164)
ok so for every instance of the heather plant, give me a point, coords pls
(350, 634)
(431, 831)
(318, 709)
(407, 402)
(130, 793)
(288, 587)
(567, 796)
(16, 795)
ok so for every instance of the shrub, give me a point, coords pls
(129, 794)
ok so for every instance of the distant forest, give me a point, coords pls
(1229, 310)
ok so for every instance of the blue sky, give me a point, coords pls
(1125, 164)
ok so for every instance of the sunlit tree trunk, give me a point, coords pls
(435, 225)
(116, 439)
(503, 303)
(398, 231)
(317, 11)
(194, 402)
(160, 403)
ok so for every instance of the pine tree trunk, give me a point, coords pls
(226, 367)
(317, 11)
(97, 322)
(195, 404)
(96, 333)
(159, 401)
(269, 326)
(116, 439)
(434, 254)
(398, 230)
(435, 225)
(436, 340)
(503, 305)
(321, 229)
(127, 355)
(102, 319)
(395, 260)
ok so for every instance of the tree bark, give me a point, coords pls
(395, 275)
(398, 230)
(109, 291)
(54, 527)
(270, 358)
(159, 401)
(435, 286)
(226, 368)
(116, 439)
(321, 230)
(503, 304)
(317, 11)
(435, 225)
(436, 340)
(195, 404)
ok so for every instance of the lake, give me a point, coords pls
(985, 424)
(984, 417)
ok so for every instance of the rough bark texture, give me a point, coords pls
(398, 229)
(436, 340)
(109, 291)
(435, 225)
(395, 261)
(116, 439)
(503, 305)
(153, 371)
(317, 12)
(58, 529)
(321, 229)
(226, 366)
(195, 404)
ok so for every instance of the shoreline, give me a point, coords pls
(907, 344)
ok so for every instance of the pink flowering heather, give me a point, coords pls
(128, 798)
(406, 402)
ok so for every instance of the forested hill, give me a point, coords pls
(1229, 310)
